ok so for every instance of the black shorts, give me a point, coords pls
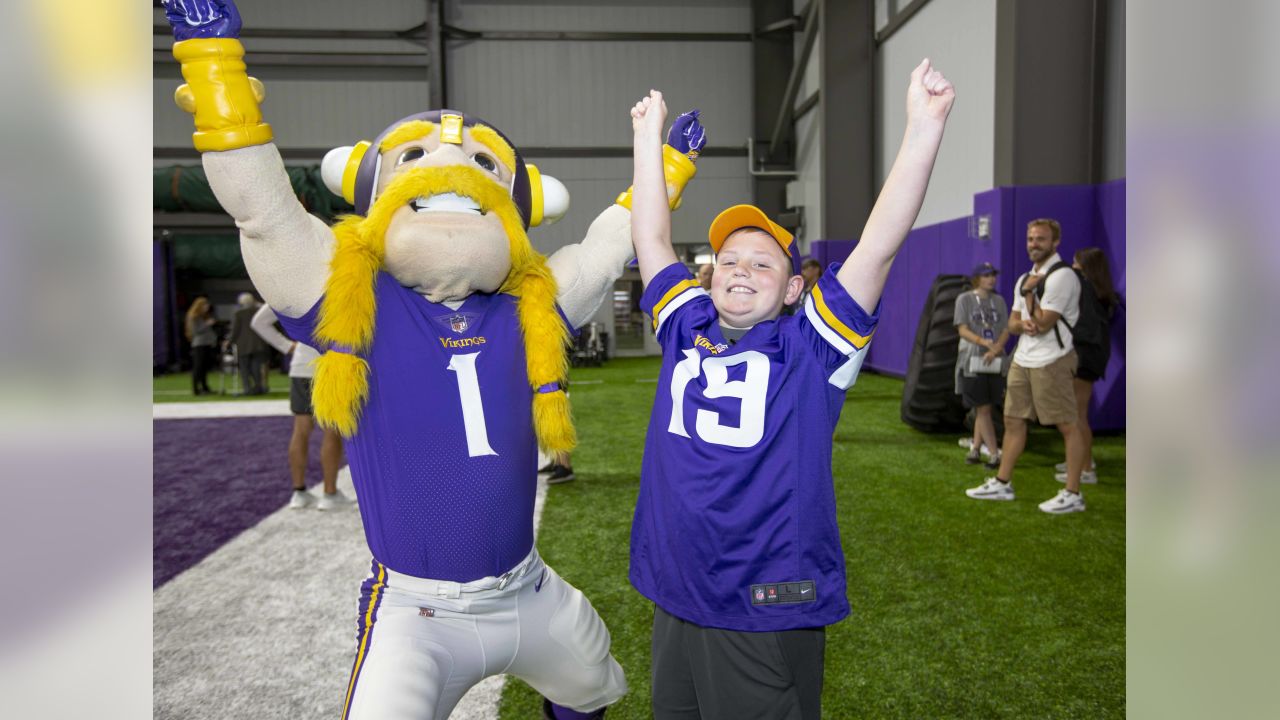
(300, 396)
(982, 389)
(1093, 362)
(712, 673)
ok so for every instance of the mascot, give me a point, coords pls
(443, 335)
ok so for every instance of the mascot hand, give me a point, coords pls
(221, 96)
(685, 141)
(687, 134)
(202, 18)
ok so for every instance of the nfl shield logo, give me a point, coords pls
(458, 323)
(759, 594)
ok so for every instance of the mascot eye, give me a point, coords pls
(485, 162)
(410, 155)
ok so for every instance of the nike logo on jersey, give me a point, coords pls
(537, 587)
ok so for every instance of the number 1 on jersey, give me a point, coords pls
(472, 409)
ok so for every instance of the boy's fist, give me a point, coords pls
(649, 115)
(930, 95)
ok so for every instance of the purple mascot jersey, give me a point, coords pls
(444, 458)
(735, 526)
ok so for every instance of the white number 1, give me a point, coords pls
(472, 409)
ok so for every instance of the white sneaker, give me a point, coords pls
(301, 499)
(992, 489)
(1062, 467)
(966, 443)
(1064, 502)
(1087, 477)
(336, 501)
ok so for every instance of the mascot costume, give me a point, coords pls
(444, 340)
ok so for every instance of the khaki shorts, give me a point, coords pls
(1043, 393)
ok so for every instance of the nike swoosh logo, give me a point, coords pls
(802, 592)
(537, 587)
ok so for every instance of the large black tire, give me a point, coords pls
(929, 399)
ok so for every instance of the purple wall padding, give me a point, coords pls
(1091, 215)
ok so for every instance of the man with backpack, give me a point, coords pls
(1045, 311)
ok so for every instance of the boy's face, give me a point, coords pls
(752, 280)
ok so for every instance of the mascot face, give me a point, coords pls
(444, 194)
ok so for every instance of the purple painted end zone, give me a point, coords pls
(1091, 215)
(212, 480)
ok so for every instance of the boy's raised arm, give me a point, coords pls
(650, 215)
(929, 100)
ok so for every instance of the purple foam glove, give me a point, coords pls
(202, 18)
(686, 134)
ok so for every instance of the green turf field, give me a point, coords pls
(177, 388)
(961, 608)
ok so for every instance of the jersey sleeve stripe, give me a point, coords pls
(665, 306)
(676, 304)
(833, 322)
(834, 340)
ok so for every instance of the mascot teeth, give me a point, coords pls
(446, 202)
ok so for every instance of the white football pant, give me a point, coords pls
(421, 644)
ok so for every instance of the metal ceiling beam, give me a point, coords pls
(787, 108)
(314, 154)
(456, 33)
(259, 58)
(898, 20)
(416, 33)
(437, 84)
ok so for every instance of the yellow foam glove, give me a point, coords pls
(677, 170)
(223, 98)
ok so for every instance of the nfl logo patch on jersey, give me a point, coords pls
(458, 323)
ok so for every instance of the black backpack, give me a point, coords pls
(1091, 326)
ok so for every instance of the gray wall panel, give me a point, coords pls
(578, 93)
(959, 38)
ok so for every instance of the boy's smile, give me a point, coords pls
(752, 279)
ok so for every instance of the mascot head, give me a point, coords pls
(443, 202)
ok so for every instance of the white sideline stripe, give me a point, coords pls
(243, 408)
(291, 657)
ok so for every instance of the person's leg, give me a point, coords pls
(1015, 440)
(198, 370)
(563, 648)
(299, 444)
(757, 674)
(985, 428)
(673, 693)
(1075, 461)
(416, 656)
(244, 361)
(1083, 390)
(330, 460)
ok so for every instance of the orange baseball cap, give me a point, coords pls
(743, 216)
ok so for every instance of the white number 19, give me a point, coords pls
(751, 390)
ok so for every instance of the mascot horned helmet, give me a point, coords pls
(443, 202)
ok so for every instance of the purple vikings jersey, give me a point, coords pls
(735, 526)
(444, 458)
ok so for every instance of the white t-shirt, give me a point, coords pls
(1061, 295)
(302, 363)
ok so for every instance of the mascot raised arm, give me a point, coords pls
(444, 336)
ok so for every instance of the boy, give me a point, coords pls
(735, 537)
